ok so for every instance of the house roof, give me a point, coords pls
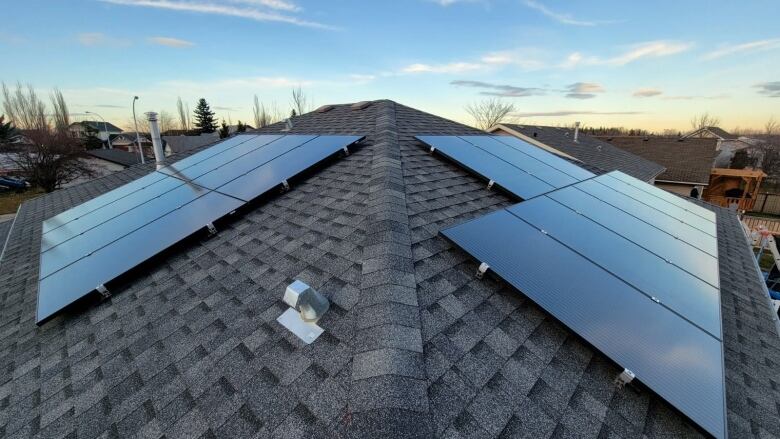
(414, 344)
(5, 227)
(590, 150)
(179, 144)
(717, 132)
(686, 160)
(117, 156)
(99, 125)
(130, 137)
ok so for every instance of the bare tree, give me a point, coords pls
(165, 120)
(184, 115)
(300, 102)
(489, 112)
(704, 120)
(772, 127)
(264, 116)
(49, 156)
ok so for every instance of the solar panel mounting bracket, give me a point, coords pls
(346, 150)
(432, 150)
(483, 268)
(103, 291)
(490, 184)
(624, 378)
(212, 229)
(285, 186)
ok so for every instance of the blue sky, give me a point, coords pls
(636, 64)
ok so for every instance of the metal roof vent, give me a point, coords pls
(325, 108)
(360, 105)
(576, 131)
(288, 124)
(307, 306)
(534, 133)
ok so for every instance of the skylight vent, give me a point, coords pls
(360, 105)
(325, 108)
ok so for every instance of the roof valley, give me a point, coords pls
(388, 358)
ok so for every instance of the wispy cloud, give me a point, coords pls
(574, 113)
(454, 67)
(583, 90)
(769, 89)
(501, 90)
(100, 39)
(242, 9)
(650, 49)
(696, 97)
(171, 42)
(562, 17)
(647, 93)
(734, 49)
(226, 108)
(280, 5)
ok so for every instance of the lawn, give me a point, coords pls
(10, 200)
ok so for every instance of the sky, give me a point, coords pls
(650, 65)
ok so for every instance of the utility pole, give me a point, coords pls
(137, 137)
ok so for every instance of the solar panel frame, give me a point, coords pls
(208, 153)
(666, 196)
(679, 361)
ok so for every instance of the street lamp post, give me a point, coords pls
(137, 137)
(105, 127)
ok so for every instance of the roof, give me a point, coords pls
(129, 136)
(5, 227)
(590, 150)
(716, 132)
(686, 160)
(117, 156)
(99, 125)
(179, 144)
(414, 344)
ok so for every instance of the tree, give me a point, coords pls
(91, 140)
(50, 156)
(165, 121)
(204, 117)
(224, 130)
(300, 102)
(241, 127)
(489, 112)
(704, 120)
(7, 131)
(184, 115)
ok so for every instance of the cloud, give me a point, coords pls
(241, 9)
(583, 90)
(769, 89)
(280, 5)
(560, 17)
(650, 49)
(171, 42)
(500, 90)
(226, 108)
(527, 59)
(647, 92)
(91, 39)
(734, 49)
(694, 97)
(573, 113)
(454, 67)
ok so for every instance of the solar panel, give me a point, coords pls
(93, 243)
(522, 169)
(620, 278)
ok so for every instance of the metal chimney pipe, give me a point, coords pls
(159, 155)
(576, 130)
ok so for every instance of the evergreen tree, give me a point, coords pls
(293, 113)
(224, 130)
(241, 128)
(91, 140)
(204, 117)
(7, 131)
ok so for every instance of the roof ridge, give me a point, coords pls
(389, 384)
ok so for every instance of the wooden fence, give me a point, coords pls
(756, 223)
(767, 203)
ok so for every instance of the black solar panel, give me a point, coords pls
(644, 295)
(524, 170)
(93, 243)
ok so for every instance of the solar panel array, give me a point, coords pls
(630, 268)
(520, 168)
(97, 241)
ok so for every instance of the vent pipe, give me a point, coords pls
(576, 130)
(154, 128)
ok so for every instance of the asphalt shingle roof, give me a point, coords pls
(591, 150)
(414, 344)
(688, 161)
(117, 156)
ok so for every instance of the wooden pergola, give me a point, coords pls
(723, 180)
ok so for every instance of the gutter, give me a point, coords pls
(8, 237)
(767, 299)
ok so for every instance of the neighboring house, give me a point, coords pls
(180, 144)
(100, 129)
(585, 148)
(727, 144)
(414, 344)
(8, 165)
(127, 141)
(688, 162)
